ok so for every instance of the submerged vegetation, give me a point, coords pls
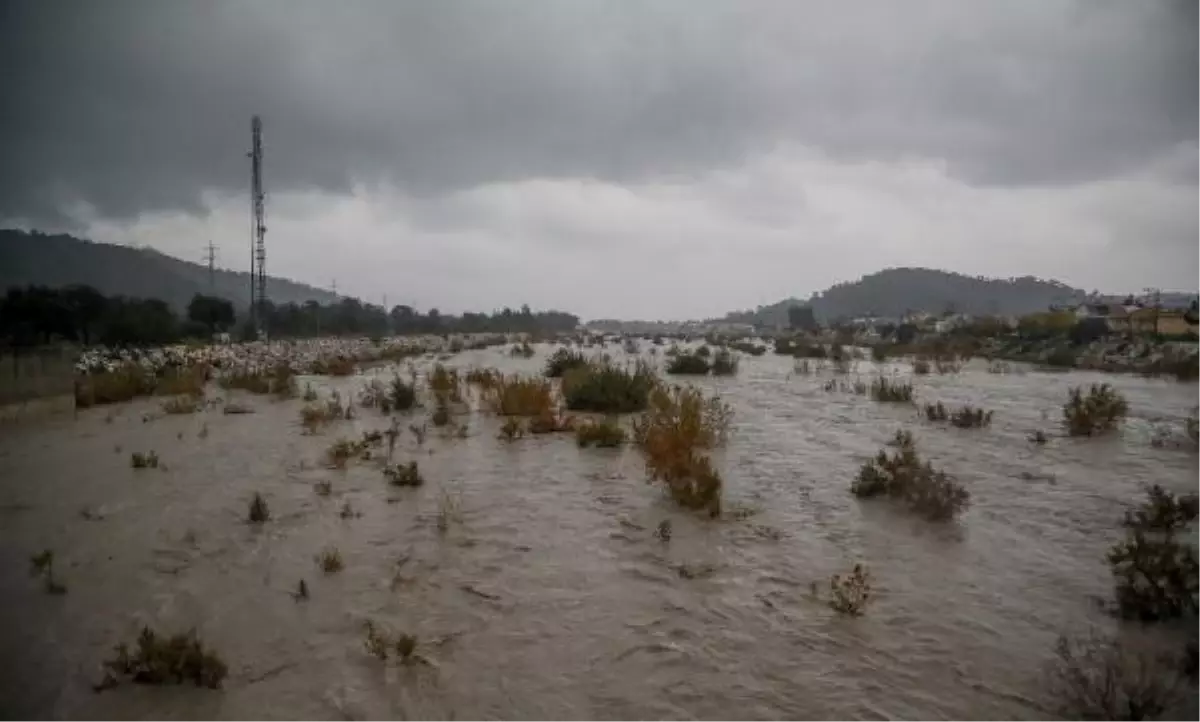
(1098, 412)
(902, 476)
(1154, 566)
(604, 387)
(603, 434)
(674, 434)
(562, 361)
(965, 418)
(888, 391)
(160, 660)
(851, 592)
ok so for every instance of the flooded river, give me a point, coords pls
(551, 597)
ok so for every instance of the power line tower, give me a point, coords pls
(211, 256)
(258, 255)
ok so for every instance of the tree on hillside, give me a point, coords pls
(801, 318)
(215, 314)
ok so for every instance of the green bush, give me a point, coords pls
(686, 363)
(902, 476)
(563, 360)
(607, 388)
(724, 363)
(1155, 566)
(1099, 412)
(401, 396)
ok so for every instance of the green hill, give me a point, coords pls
(60, 260)
(896, 291)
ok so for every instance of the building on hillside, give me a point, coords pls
(1170, 322)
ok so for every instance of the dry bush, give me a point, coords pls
(689, 363)
(485, 379)
(518, 396)
(1102, 678)
(603, 434)
(606, 388)
(521, 350)
(551, 423)
(380, 644)
(404, 474)
(511, 430)
(373, 395)
(678, 426)
(1154, 566)
(124, 384)
(279, 380)
(259, 512)
(947, 364)
(161, 660)
(902, 476)
(562, 361)
(971, 418)
(936, 412)
(330, 560)
(187, 381)
(148, 460)
(886, 391)
(851, 592)
(1098, 412)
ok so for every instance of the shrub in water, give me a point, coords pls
(688, 364)
(1101, 678)
(920, 367)
(1154, 566)
(724, 363)
(180, 405)
(163, 660)
(511, 429)
(258, 509)
(404, 474)
(1099, 412)
(330, 560)
(902, 476)
(42, 565)
(971, 418)
(850, 592)
(936, 412)
(606, 388)
(522, 350)
(149, 460)
(887, 391)
(401, 396)
(336, 366)
(563, 360)
(444, 385)
(604, 434)
(441, 415)
(677, 427)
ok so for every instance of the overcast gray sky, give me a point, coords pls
(660, 159)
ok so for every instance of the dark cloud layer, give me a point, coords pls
(141, 106)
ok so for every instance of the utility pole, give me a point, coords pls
(1154, 296)
(211, 257)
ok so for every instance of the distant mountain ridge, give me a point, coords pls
(61, 260)
(896, 291)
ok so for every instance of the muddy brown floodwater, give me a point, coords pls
(552, 598)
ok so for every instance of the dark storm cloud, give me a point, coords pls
(140, 106)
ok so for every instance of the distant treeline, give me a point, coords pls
(38, 315)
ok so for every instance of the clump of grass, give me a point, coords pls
(893, 392)
(161, 660)
(679, 425)
(310, 394)
(902, 476)
(609, 389)
(1098, 412)
(1154, 567)
(380, 644)
(604, 434)
(563, 360)
(374, 395)
(401, 396)
(259, 512)
(330, 560)
(521, 350)
(518, 396)
(180, 405)
(851, 592)
(148, 460)
(485, 379)
(42, 565)
(314, 416)
(688, 364)
(511, 429)
(965, 418)
(185, 381)
(444, 385)
(921, 367)
(323, 488)
(347, 511)
(724, 363)
(404, 474)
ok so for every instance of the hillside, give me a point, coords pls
(895, 291)
(60, 260)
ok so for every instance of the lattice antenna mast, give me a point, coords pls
(211, 257)
(258, 258)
